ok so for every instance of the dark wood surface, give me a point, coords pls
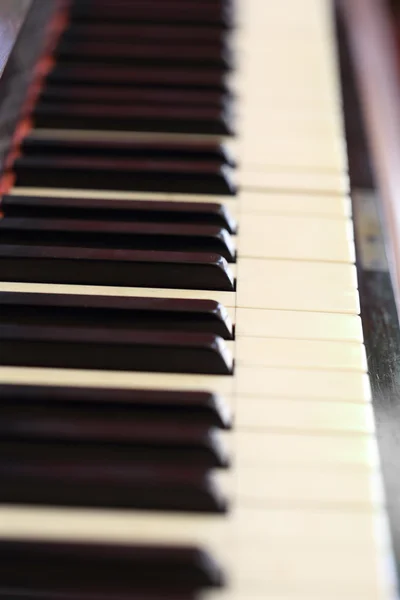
(378, 307)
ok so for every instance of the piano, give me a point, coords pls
(191, 406)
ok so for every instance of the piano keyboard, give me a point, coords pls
(185, 400)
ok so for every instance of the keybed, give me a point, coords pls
(305, 512)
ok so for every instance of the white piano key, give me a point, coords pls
(267, 382)
(287, 324)
(310, 354)
(297, 285)
(308, 84)
(296, 237)
(275, 382)
(278, 449)
(303, 415)
(292, 153)
(316, 88)
(276, 100)
(270, 486)
(293, 204)
(288, 125)
(254, 175)
(277, 525)
(222, 385)
(308, 14)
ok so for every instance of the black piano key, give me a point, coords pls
(103, 234)
(116, 96)
(129, 77)
(129, 268)
(31, 419)
(84, 571)
(84, 348)
(146, 33)
(90, 484)
(112, 445)
(160, 314)
(143, 149)
(124, 174)
(105, 117)
(31, 402)
(136, 595)
(111, 433)
(137, 211)
(205, 13)
(142, 54)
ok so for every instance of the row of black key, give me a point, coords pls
(111, 448)
(125, 243)
(134, 334)
(125, 166)
(160, 79)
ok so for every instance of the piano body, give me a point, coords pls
(186, 406)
